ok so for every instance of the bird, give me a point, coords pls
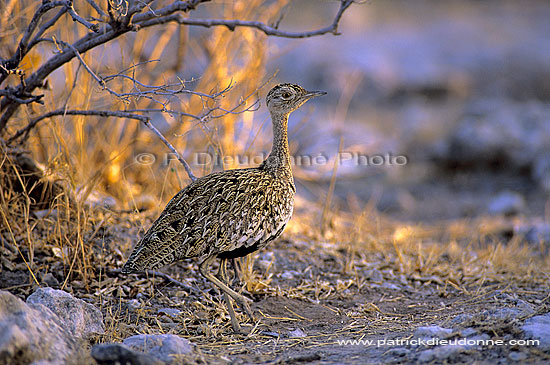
(228, 214)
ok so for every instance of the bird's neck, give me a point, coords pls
(279, 158)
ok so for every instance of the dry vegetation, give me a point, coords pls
(334, 282)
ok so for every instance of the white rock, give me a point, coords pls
(166, 348)
(32, 333)
(79, 318)
(538, 328)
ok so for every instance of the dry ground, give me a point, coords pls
(366, 277)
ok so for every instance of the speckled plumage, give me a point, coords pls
(231, 213)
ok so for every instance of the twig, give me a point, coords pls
(22, 48)
(165, 141)
(162, 275)
(101, 113)
(131, 21)
(79, 19)
(106, 113)
(232, 24)
(182, 6)
(161, 90)
(66, 104)
(167, 111)
(10, 94)
(97, 8)
(92, 73)
(37, 37)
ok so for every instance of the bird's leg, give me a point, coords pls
(222, 275)
(236, 267)
(242, 300)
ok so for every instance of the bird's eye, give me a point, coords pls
(286, 95)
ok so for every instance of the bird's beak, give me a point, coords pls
(312, 94)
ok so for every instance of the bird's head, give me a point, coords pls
(285, 98)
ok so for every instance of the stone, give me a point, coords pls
(461, 319)
(290, 274)
(399, 352)
(166, 348)
(297, 333)
(517, 356)
(451, 350)
(171, 312)
(538, 328)
(32, 333)
(99, 200)
(448, 351)
(375, 276)
(426, 356)
(504, 313)
(506, 203)
(433, 331)
(50, 280)
(391, 286)
(116, 353)
(468, 332)
(133, 304)
(79, 318)
(541, 171)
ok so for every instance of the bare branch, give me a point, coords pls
(78, 18)
(11, 94)
(180, 159)
(22, 48)
(232, 24)
(176, 6)
(117, 27)
(101, 113)
(45, 27)
(29, 99)
(161, 90)
(167, 111)
(97, 8)
(92, 73)
(160, 275)
(253, 107)
(106, 113)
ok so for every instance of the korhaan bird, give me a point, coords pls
(228, 214)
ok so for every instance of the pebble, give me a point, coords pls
(172, 312)
(517, 356)
(433, 331)
(297, 333)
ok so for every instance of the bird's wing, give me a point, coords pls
(218, 212)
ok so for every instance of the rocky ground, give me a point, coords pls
(449, 293)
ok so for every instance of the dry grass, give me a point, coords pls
(97, 158)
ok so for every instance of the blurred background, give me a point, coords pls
(462, 88)
(458, 89)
